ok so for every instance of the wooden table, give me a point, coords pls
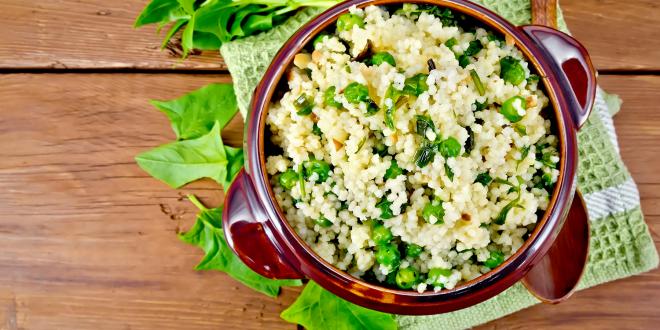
(87, 240)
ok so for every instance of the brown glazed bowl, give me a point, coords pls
(257, 231)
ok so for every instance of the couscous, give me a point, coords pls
(411, 150)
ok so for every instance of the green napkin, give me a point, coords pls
(620, 245)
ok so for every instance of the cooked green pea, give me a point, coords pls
(434, 209)
(303, 104)
(346, 22)
(406, 278)
(288, 179)
(356, 93)
(512, 108)
(323, 222)
(450, 147)
(413, 250)
(319, 38)
(329, 97)
(393, 171)
(416, 85)
(388, 255)
(385, 210)
(381, 234)
(383, 57)
(435, 273)
(496, 258)
(321, 168)
(511, 70)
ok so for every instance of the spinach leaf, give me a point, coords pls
(207, 234)
(449, 172)
(235, 161)
(160, 11)
(317, 309)
(181, 162)
(209, 23)
(425, 154)
(195, 113)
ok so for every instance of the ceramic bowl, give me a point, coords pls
(257, 231)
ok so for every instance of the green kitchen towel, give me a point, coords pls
(620, 244)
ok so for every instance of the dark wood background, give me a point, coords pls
(88, 240)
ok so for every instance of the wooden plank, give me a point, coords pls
(88, 239)
(619, 35)
(98, 34)
(60, 34)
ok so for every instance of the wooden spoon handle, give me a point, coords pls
(544, 12)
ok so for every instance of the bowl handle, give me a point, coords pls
(249, 233)
(572, 64)
(556, 276)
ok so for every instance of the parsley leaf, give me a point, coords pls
(317, 308)
(207, 234)
(195, 113)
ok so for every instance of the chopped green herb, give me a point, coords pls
(303, 105)
(474, 47)
(483, 178)
(469, 143)
(416, 85)
(477, 82)
(449, 172)
(478, 106)
(316, 130)
(301, 181)
(424, 123)
(393, 171)
(463, 60)
(425, 154)
(434, 209)
(524, 152)
(520, 128)
(451, 43)
(533, 78)
(372, 108)
(323, 222)
(380, 148)
(385, 210)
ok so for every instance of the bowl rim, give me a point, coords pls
(545, 230)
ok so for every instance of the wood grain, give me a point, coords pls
(73, 34)
(88, 240)
(544, 12)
